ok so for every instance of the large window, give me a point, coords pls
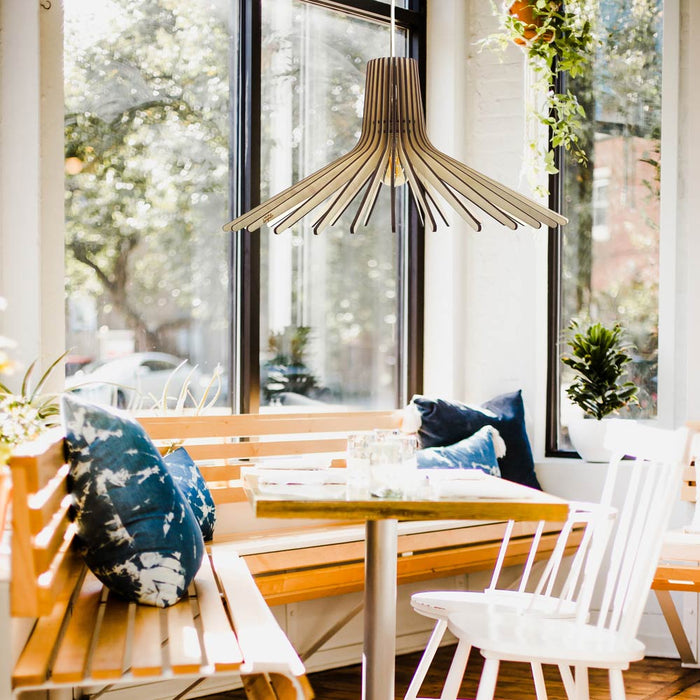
(178, 114)
(147, 152)
(329, 304)
(607, 258)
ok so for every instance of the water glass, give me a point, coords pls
(357, 460)
(393, 469)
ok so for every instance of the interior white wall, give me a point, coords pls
(446, 250)
(485, 307)
(31, 180)
(687, 252)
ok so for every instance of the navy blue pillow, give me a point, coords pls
(191, 482)
(446, 422)
(475, 452)
(140, 536)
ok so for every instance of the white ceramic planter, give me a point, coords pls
(588, 438)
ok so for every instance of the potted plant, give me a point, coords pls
(598, 358)
(26, 413)
(286, 371)
(557, 38)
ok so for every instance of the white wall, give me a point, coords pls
(485, 292)
(31, 180)
(687, 253)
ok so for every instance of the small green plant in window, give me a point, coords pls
(598, 358)
(286, 370)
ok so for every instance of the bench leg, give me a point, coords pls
(331, 632)
(675, 626)
(275, 686)
(378, 658)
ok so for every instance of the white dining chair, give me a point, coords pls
(557, 592)
(651, 483)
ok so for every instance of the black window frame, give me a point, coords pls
(554, 294)
(554, 251)
(244, 288)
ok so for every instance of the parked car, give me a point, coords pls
(137, 380)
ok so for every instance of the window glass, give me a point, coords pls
(147, 175)
(610, 247)
(330, 304)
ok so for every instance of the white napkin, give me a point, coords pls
(300, 476)
(301, 463)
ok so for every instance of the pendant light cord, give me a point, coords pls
(393, 29)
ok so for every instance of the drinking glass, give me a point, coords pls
(393, 469)
(357, 459)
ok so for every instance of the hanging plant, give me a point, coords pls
(557, 38)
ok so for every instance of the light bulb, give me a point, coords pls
(399, 174)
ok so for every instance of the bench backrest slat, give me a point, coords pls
(48, 543)
(258, 449)
(44, 505)
(250, 425)
(40, 537)
(223, 443)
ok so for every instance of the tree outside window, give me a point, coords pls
(150, 139)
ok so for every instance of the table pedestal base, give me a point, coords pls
(378, 657)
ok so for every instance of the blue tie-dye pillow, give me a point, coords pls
(445, 422)
(191, 482)
(139, 535)
(480, 451)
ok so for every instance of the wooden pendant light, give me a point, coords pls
(394, 148)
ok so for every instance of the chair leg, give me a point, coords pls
(567, 678)
(457, 668)
(538, 677)
(581, 675)
(617, 685)
(425, 660)
(487, 683)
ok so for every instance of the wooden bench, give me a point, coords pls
(84, 636)
(312, 560)
(679, 569)
(318, 559)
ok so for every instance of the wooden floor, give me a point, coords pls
(651, 679)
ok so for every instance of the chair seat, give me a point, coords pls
(440, 604)
(514, 637)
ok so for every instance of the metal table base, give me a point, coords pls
(378, 657)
